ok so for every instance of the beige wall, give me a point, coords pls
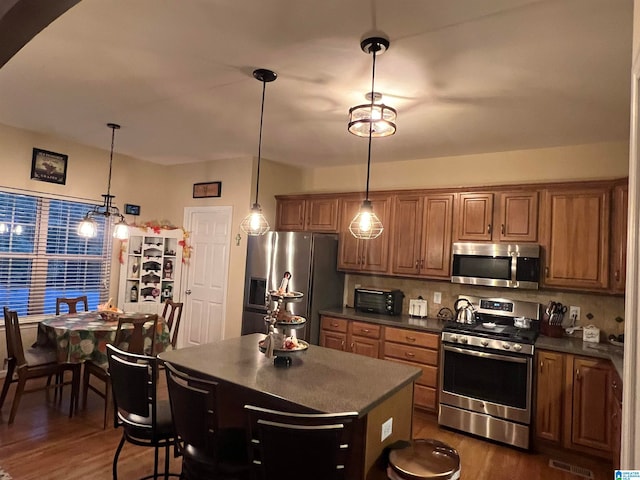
(581, 162)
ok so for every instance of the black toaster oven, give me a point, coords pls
(376, 300)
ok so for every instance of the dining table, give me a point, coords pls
(81, 336)
(318, 380)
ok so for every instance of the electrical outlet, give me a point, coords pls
(574, 314)
(437, 297)
(387, 429)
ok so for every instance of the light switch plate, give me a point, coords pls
(437, 297)
(387, 429)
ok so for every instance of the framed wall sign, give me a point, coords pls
(49, 166)
(130, 209)
(207, 189)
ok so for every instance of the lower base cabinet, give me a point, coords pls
(616, 419)
(419, 349)
(574, 407)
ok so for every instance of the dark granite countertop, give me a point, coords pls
(563, 344)
(320, 379)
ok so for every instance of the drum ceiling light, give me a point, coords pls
(88, 227)
(255, 224)
(366, 225)
(373, 119)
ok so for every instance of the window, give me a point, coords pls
(42, 257)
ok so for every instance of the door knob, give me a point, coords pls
(187, 292)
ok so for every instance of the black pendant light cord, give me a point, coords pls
(264, 86)
(373, 79)
(113, 135)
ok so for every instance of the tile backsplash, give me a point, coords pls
(604, 308)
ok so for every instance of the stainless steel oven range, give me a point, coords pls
(487, 370)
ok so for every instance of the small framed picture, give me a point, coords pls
(49, 166)
(130, 209)
(207, 189)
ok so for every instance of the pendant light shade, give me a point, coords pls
(88, 227)
(376, 121)
(255, 223)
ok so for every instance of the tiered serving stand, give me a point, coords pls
(282, 356)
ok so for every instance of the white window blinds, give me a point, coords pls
(42, 257)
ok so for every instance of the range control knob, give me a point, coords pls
(454, 337)
(517, 347)
(506, 346)
(464, 339)
(484, 342)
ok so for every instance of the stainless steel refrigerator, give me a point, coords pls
(311, 258)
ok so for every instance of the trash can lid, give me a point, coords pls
(425, 459)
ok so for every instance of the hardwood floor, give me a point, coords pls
(43, 443)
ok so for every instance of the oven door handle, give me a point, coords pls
(507, 358)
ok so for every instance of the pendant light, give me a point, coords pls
(366, 225)
(88, 227)
(255, 224)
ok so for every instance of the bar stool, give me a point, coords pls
(424, 459)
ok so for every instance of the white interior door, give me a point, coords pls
(206, 275)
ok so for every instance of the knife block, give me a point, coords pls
(550, 330)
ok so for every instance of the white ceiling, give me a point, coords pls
(466, 76)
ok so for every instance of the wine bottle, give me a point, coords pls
(133, 296)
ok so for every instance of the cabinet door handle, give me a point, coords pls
(489, 229)
(614, 385)
(541, 365)
(546, 272)
(422, 263)
(352, 349)
(410, 339)
(342, 344)
(365, 330)
(577, 374)
(617, 275)
(417, 261)
(502, 229)
(409, 354)
(334, 325)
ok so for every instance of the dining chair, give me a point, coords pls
(207, 450)
(172, 314)
(72, 304)
(34, 363)
(135, 340)
(287, 446)
(145, 420)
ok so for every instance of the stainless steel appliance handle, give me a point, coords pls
(493, 356)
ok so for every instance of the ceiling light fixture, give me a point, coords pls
(373, 119)
(88, 227)
(366, 225)
(255, 224)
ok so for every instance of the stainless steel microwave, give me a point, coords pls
(496, 264)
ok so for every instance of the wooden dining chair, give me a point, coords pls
(207, 450)
(34, 363)
(172, 314)
(72, 304)
(285, 445)
(145, 420)
(135, 340)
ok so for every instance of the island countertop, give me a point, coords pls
(320, 379)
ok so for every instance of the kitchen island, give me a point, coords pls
(320, 380)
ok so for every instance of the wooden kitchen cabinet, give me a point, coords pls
(616, 418)
(364, 255)
(576, 238)
(350, 336)
(422, 229)
(510, 216)
(419, 349)
(619, 209)
(313, 213)
(573, 403)
(550, 388)
(591, 380)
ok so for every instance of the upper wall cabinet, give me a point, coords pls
(421, 233)
(497, 217)
(312, 214)
(619, 211)
(576, 237)
(364, 255)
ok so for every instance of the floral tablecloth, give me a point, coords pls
(81, 336)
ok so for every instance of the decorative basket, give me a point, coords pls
(110, 316)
